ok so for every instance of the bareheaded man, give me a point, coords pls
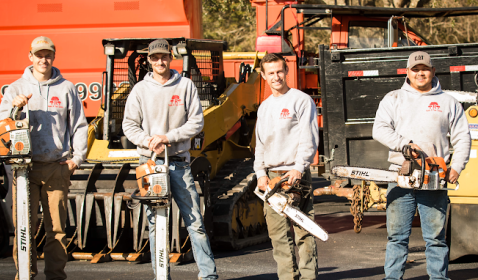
(287, 137)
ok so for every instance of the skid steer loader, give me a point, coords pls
(104, 222)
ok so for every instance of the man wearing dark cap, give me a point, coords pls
(59, 142)
(421, 115)
(164, 111)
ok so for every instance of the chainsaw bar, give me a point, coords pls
(279, 203)
(306, 222)
(367, 174)
(23, 217)
(162, 243)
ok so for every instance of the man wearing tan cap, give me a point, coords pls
(59, 142)
(164, 110)
(421, 115)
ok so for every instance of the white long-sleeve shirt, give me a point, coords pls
(406, 115)
(287, 133)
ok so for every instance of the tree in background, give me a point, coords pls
(233, 21)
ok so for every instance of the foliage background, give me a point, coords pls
(234, 21)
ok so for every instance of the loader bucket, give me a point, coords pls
(104, 223)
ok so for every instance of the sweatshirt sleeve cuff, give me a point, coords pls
(145, 142)
(403, 142)
(260, 173)
(77, 161)
(172, 137)
(299, 168)
(457, 167)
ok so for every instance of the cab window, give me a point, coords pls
(366, 35)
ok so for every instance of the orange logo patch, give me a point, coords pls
(157, 188)
(19, 146)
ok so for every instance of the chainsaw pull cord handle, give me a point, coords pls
(14, 113)
(276, 188)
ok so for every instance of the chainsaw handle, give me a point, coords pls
(261, 195)
(407, 154)
(422, 158)
(166, 158)
(267, 194)
(14, 112)
(143, 198)
(276, 187)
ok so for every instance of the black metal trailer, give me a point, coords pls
(353, 82)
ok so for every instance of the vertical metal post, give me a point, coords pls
(392, 30)
(323, 96)
(282, 32)
(108, 93)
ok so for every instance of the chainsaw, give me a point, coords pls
(421, 173)
(15, 149)
(154, 189)
(284, 198)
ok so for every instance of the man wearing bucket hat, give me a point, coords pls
(59, 143)
(421, 115)
(164, 111)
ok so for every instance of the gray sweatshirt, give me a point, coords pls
(172, 109)
(57, 119)
(287, 133)
(406, 115)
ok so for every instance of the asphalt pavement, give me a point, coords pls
(346, 255)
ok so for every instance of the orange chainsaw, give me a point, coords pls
(154, 189)
(15, 149)
(421, 173)
(15, 146)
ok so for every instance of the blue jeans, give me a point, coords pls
(401, 207)
(186, 197)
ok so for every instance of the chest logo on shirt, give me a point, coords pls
(284, 114)
(175, 101)
(54, 102)
(433, 107)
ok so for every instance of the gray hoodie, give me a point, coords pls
(172, 109)
(287, 133)
(57, 120)
(406, 115)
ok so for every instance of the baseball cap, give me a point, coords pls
(419, 58)
(158, 46)
(42, 43)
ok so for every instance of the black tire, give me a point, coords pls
(4, 234)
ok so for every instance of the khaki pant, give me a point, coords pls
(283, 244)
(49, 184)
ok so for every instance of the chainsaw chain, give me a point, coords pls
(359, 205)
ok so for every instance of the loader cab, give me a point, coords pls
(360, 32)
(127, 64)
